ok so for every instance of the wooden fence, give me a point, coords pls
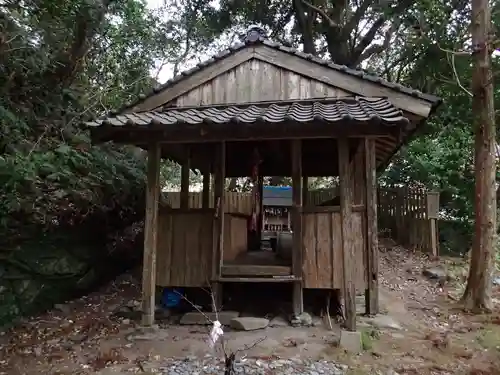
(409, 216)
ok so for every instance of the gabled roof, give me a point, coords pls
(434, 100)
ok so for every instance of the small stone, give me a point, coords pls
(279, 321)
(133, 304)
(197, 318)
(62, 308)
(304, 319)
(126, 321)
(249, 323)
(436, 273)
(351, 341)
(384, 321)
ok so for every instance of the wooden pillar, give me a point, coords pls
(348, 260)
(150, 235)
(218, 243)
(432, 214)
(185, 180)
(305, 190)
(298, 302)
(371, 293)
(205, 197)
(260, 218)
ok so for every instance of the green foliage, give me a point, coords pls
(368, 336)
(61, 63)
(52, 80)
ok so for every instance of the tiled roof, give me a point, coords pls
(357, 109)
(264, 41)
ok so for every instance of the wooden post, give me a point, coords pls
(434, 241)
(371, 293)
(150, 234)
(185, 180)
(205, 197)
(218, 243)
(432, 214)
(260, 218)
(298, 302)
(347, 233)
(305, 190)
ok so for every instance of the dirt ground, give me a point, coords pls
(435, 336)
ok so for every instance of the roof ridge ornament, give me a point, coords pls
(255, 33)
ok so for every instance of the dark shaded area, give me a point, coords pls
(259, 299)
(455, 237)
(65, 263)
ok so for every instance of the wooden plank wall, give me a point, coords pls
(254, 81)
(235, 236)
(402, 216)
(184, 247)
(322, 242)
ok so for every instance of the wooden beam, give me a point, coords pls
(230, 132)
(185, 171)
(371, 293)
(197, 79)
(342, 80)
(348, 254)
(255, 271)
(298, 298)
(150, 235)
(271, 279)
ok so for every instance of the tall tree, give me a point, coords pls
(477, 294)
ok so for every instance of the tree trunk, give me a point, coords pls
(477, 296)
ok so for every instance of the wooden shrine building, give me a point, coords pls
(302, 117)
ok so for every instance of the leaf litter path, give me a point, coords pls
(85, 336)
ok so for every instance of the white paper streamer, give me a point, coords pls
(215, 333)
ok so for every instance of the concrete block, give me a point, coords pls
(351, 341)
